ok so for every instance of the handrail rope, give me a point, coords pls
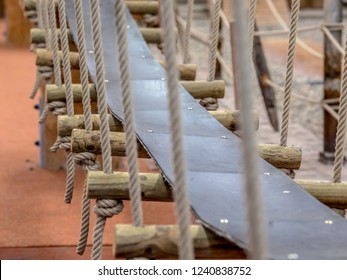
(294, 18)
(104, 208)
(129, 115)
(281, 21)
(86, 160)
(187, 33)
(212, 103)
(256, 229)
(45, 20)
(177, 147)
(341, 126)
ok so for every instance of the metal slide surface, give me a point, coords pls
(298, 225)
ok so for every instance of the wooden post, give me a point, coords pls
(332, 78)
(18, 27)
(161, 242)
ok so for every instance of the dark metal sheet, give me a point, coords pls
(298, 225)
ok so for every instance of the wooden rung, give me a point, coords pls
(229, 119)
(332, 194)
(135, 7)
(83, 141)
(161, 242)
(150, 35)
(197, 89)
(154, 188)
(45, 58)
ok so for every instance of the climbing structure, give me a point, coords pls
(239, 199)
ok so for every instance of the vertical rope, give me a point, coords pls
(253, 200)
(87, 111)
(187, 33)
(45, 20)
(212, 103)
(70, 179)
(55, 47)
(341, 126)
(178, 158)
(251, 24)
(84, 157)
(39, 13)
(116, 206)
(294, 18)
(129, 121)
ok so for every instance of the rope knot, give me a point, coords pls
(63, 143)
(87, 161)
(108, 207)
(209, 103)
(151, 20)
(32, 16)
(56, 107)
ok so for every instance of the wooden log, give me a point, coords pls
(161, 242)
(154, 188)
(101, 185)
(281, 157)
(135, 7)
(229, 119)
(150, 35)
(83, 141)
(198, 89)
(332, 194)
(187, 72)
(45, 58)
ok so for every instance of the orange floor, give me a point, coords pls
(35, 223)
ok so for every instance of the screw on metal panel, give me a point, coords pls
(149, 130)
(190, 108)
(286, 192)
(328, 222)
(267, 173)
(90, 51)
(224, 137)
(224, 221)
(293, 256)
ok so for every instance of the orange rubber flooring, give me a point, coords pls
(34, 222)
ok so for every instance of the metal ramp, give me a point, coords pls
(298, 225)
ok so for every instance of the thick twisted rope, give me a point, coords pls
(251, 25)
(187, 33)
(45, 21)
(55, 45)
(178, 159)
(212, 103)
(341, 126)
(87, 112)
(70, 178)
(129, 115)
(104, 126)
(294, 18)
(104, 208)
(43, 73)
(56, 107)
(253, 200)
(86, 160)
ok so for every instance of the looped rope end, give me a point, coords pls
(56, 107)
(209, 103)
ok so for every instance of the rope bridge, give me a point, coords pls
(238, 198)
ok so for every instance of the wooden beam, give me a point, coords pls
(45, 58)
(135, 7)
(150, 35)
(161, 242)
(154, 188)
(83, 141)
(229, 119)
(198, 89)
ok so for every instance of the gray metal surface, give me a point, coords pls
(298, 225)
